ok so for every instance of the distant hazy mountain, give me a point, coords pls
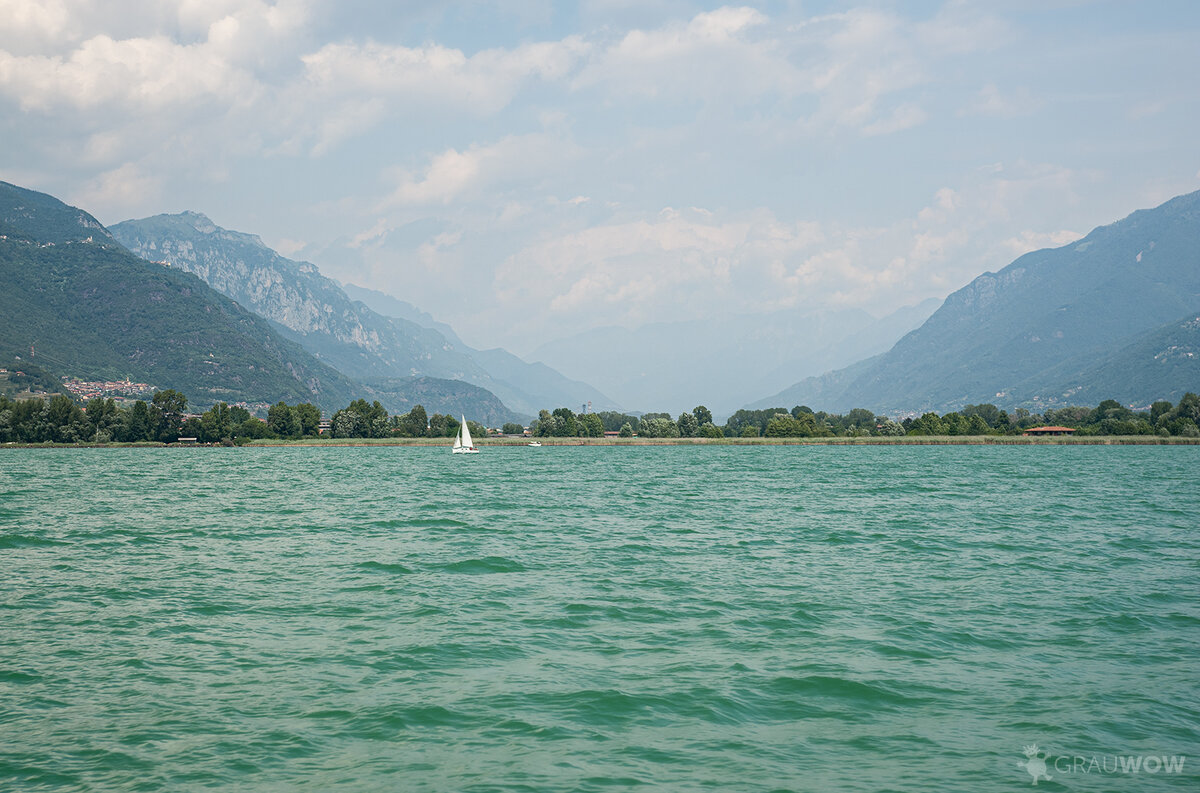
(318, 314)
(724, 361)
(535, 384)
(400, 394)
(388, 306)
(92, 309)
(1068, 325)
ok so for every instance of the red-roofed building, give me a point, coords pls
(1050, 431)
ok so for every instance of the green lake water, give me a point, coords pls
(599, 618)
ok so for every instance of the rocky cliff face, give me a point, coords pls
(317, 313)
(294, 294)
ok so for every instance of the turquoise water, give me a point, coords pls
(597, 619)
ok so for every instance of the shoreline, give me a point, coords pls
(903, 440)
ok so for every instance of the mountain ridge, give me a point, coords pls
(1000, 338)
(97, 311)
(316, 312)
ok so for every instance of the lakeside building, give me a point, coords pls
(1050, 431)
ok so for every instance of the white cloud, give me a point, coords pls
(991, 101)
(31, 25)
(144, 74)
(122, 188)
(962, 28)
(454, 175)
(726, 55)
(429, 253)
(692, 263)
(437, 75)
(903, 117)
(672, 264)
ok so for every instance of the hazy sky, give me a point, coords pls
(526, 170)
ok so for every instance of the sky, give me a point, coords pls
(526, 170)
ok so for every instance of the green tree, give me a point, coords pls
(703, 415)
(216, 423)
(928, 424)
(7, 427)
(737, 423)
(888, 428)
(550, 426)
(956, 424)
(441, 426)
(104, 418)
(1184, 427)
(659, 427)
(613, 421)
(861, 418)
(567, 426)
(141, 424)
(360, 420)
(1109, 409)
(282, 421)
(512, 428)
(252, 428)
(710, 430)
(626, 430)
(1188, 408)
(66, 421)
(167, 409)
(988, 412)
(1073, 416)
(784, 425)
(591, 426)
(309, 416)
(688, 426)
(417, 423)
(192, 428)
(347, 424)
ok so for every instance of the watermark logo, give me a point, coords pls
(1038, 763)
(1034, 763)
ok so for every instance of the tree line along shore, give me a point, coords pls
(165, 419)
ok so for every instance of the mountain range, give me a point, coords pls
(74, 301)
(550, 386)
(317, 313)
(220, 316)
(1111, 315)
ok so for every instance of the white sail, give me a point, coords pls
(462, 441)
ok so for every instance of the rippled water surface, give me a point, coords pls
(556, 619)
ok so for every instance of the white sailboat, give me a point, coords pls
(462, 440)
